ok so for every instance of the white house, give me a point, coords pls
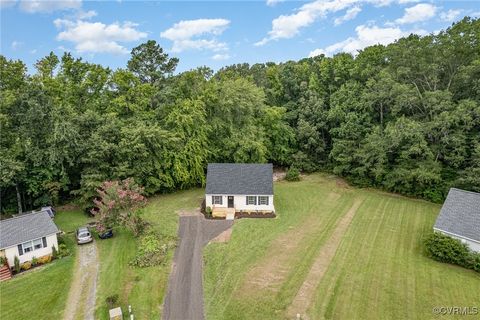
(239, 187)
(27, 236)
(460, 217)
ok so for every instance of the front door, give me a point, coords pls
(230, 201)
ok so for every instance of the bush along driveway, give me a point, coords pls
(184, 299)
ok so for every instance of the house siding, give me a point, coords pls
(11, 252)
(240, 202)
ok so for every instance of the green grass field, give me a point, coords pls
(378, 270)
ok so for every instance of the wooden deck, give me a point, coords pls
(218, 212)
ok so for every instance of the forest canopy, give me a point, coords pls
(403, 117)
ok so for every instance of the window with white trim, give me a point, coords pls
(251, 200)
(30, 246)
(27, 246)
(37, 244)
(217, 200)
(263, 200)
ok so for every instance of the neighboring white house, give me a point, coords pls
(239, 187)
(460, 217)
(27, 236)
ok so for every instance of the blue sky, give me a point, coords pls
(215, 33)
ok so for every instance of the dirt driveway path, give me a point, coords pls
(184, 298)
(81, 297)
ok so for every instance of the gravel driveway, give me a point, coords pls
(81, 297)
(184, 299)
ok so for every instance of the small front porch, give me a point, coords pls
(223, 212)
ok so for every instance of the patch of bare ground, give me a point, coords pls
(67, 207)
(306, 292)
(189, 213)
(341, 183)
(224, 236)
(82, 294)
(271, 272)
(279, 174)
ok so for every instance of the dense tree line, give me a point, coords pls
(403, 117)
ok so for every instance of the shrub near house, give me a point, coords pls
(450, 250)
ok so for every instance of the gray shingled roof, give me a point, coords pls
(460, 214)
(26, 227)
(239, 178)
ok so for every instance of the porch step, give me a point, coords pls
(5, 273)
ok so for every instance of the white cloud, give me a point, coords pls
(219, 56)
(98, 37)
(451, 15)
(349, 15)
(273, 2)
(81, 15)
(316, 52)
(418, 13)
(198, 44)
(288, 26)
(190, 34)
(190, 28)
(7, 3)
(16, 45)
(365, 36)
(33, 51)
(34, 6)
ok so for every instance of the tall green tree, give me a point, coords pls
(150, 63)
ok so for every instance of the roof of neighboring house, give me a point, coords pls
(460, 214)
(239, 178)
(26, 227)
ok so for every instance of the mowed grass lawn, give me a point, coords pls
(377, 271)
(42, 292)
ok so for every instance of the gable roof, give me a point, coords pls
(460, 214)
(240, 178)
(26, 227)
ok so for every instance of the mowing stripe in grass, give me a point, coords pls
(363, 255)
(307, 256)
(304, 295)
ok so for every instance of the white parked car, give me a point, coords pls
(83, 235)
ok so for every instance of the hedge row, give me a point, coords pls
(450, 250)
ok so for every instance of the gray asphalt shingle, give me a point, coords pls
(460, 214)
(240, 178)
(26, 227)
